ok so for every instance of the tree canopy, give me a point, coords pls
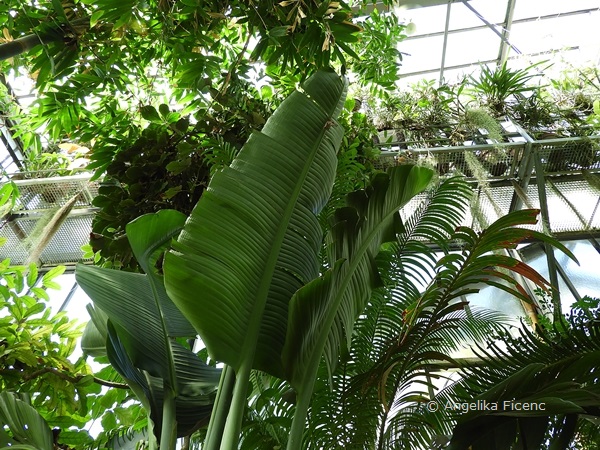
(301, 276)
(102, 62)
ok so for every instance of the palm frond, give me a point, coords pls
(556, 368)
(424, 331)
(269, 414)
(349, 413)
(341, 417)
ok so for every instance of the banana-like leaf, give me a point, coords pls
(323, 313)
(196, 382)
(28, 428)
(137, 304)
(253, 238)
(142, 325)
(93, 340)
(129, 301)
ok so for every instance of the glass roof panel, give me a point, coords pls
(461, 48)
(415, 60)
(462, 17)
(556, 33)
(537, 8)
(426, 20)
(540, 30)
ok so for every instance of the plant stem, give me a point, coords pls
(218, 417)
(299, 421)
(233, 425)
(168, 432)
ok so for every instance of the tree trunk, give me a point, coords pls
(26, 43)
(55, 34)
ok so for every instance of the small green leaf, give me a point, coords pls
(86, 380)
(182, 124)
(279, 31)
(10, 281)
(32, 275)
(164, 110)
(40, 293)
(96, 15)
(177, 167)
(149, 113)
(35, 309)
(266, 92)
(52, 285)
(5, 193)
(53, 273)
(172, 192)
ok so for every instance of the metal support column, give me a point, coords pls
(69, 296)
(525, 168)
(552, 270)
(13, 145)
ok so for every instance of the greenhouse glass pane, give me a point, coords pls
(537, 8)
(585, 277)
(463, 17)
(421, 54)
(426, 20)
(555, 34)
(461, 48)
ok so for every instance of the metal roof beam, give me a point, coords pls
(506, 26)
(445, 46)
(487, 61)
(514, 22)
(491, 26)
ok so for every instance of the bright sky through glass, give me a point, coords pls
(566, 29)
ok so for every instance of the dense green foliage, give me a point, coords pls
(294, 266)
(112, 58)
(37, 364)
(109, 70)
(558, 374)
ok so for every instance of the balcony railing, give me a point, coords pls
(559, 176)
(40, 198)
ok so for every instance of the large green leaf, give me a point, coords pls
(142, 325)
(93, 340)
(129, 301)
(196, 382)
(28, 428)
(253, 238)
(323, 313)
(136, 302)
